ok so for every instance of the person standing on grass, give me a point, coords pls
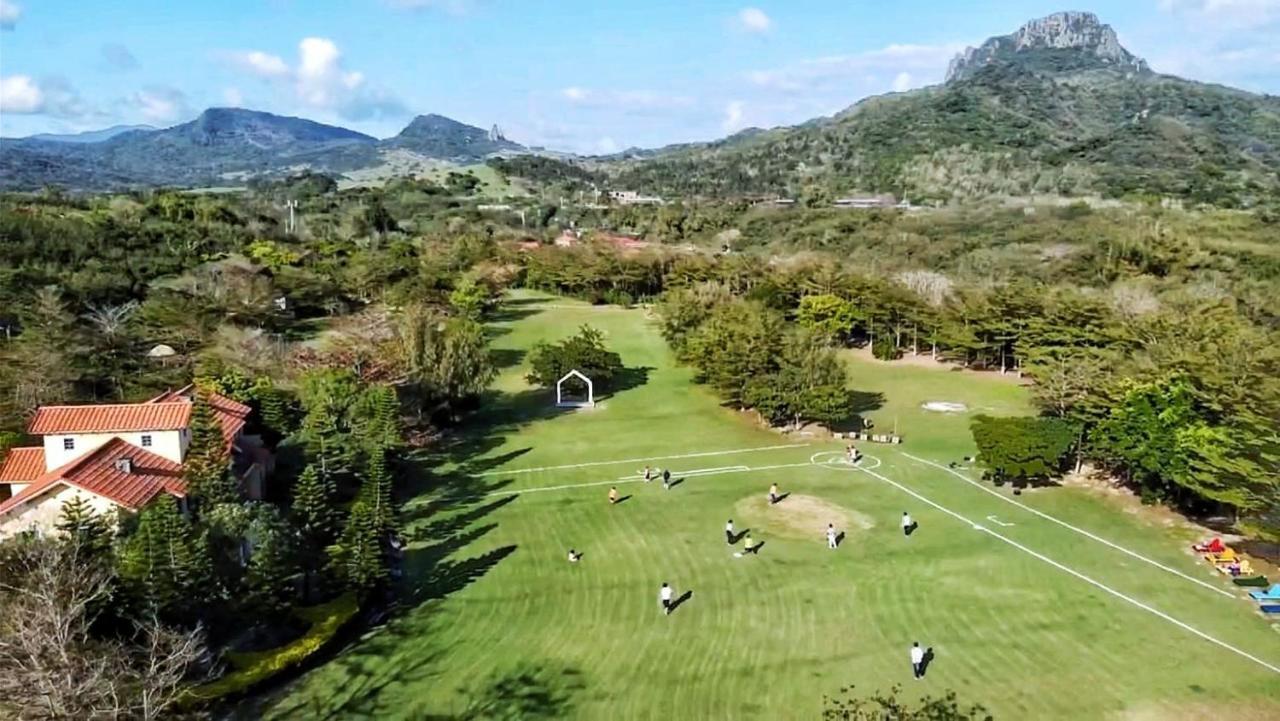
(648, 474)
(666, 479)
(613, 495)
(907, 524)
(574, 556)
(664, 597)
(773, 493)
(917, 660)
(728, 532)
(831, 536)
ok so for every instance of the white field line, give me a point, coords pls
(640, 479)
(704, 454)
(1077, 574)
(687, 474)
(1081, 531)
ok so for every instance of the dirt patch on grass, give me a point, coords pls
(798, 516)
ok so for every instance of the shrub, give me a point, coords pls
(255, 667)
(886, 350)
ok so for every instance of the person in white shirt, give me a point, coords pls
(917, 660)
(908, 525)
(831, 536)
(728, 532)
(574, 556)
(648, 474)
(664, 595)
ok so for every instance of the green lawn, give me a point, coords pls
(499, 617)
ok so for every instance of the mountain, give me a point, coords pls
(89, 136)
(226, 145)
(1056, 107)
(1068, 39)
(436, 136)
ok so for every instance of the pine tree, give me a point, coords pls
(206, 468)
(90, 531)
(378, 418)
(273, 407)
(358, 556)
(166, 563)
(314, 511)
(268, 580)
(375, 492)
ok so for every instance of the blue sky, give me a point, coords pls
(591, 76)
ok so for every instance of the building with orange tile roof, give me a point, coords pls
(118, 457)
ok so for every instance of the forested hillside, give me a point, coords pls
(1037, 120)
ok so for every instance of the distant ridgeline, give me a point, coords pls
(1057, 107)
(225, 146)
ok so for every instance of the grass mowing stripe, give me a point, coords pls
(703, 454)
(1081, 531)
(638, 479)
(1077, 574)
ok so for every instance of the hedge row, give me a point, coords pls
(251, 669)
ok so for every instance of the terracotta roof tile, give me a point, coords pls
(97, 472)
(22, 465)
(120, 418)
(232, 415)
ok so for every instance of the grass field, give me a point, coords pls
(1030, 617)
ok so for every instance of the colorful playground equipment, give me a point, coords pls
(1225, 559)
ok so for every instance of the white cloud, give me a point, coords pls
(319, 81)
(625, 100)
(606, 145)
(10, 13)
(51, 96)
(160, 104)
(264, 65)
(835, 72)
(902, 82)
(20, 95)
(233, 97)
(1229, 13)
(733, 116)
(754, 20)
(1225, 41)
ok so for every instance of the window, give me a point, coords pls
(68, 444)
(146, 441)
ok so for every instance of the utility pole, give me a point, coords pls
(292, 227)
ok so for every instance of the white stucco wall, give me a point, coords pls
(167, 444)
(42, 512)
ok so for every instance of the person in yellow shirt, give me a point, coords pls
(773, 494)
(749, 545)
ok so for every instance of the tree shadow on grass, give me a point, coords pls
(528, 691)
(860, 404)
(507, 357)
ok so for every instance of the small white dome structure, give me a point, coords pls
(162, 351)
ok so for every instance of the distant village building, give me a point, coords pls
(866, 201)
(117, 458)
(775, 203)
(631, 197)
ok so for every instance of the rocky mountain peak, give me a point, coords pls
(1063, 32)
